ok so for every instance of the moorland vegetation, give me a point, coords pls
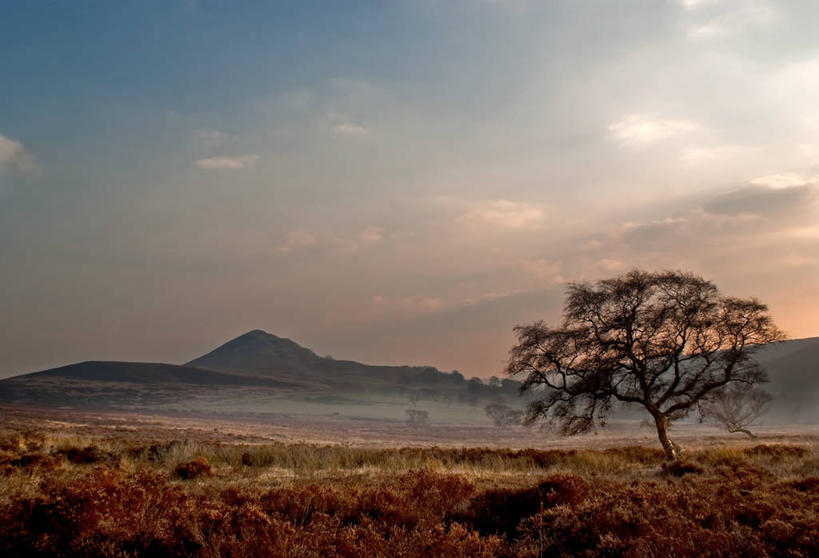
(112, 495)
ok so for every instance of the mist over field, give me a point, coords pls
(409, 278)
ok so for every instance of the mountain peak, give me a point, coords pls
(255, 334)
(257, 351)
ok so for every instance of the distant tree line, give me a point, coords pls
(430, 384)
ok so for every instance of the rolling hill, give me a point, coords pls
(151, 373)
(265, 355)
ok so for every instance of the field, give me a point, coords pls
(117, 484)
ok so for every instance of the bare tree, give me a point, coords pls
(736, 408)
(663, 341)
(502, 415)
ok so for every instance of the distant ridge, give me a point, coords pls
(264, 354)
(150, 373)
(258, 351)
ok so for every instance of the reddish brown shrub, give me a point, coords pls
(38, 460)
(247, 459)
(680, 468)
(808, 484)
(199, 467)
(777, 451)
(734, 508)
(637, 454)
(86, 455)
(501, 511)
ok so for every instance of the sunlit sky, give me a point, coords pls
(391, 181)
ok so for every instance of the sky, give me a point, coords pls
(394, 182)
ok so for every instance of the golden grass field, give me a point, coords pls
(118, 484)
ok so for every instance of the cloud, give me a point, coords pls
(367, 237)
(409, 305)
(542, 270)
(610, 265)
(356, 88)
(383, 307)
(211, 139)
(300, 239)
(786, 180)
(348, 129)
(645, 129)
(695, 4)
(226, 162)
(809, 232)
(696, 155)
(794, 87)
(732, 17)
(656, 231)
(343, 126)
(296, 240)
(505, 214)
(14, 158)
(758, 200)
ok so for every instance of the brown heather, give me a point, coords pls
(65, 495)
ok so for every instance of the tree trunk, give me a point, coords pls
(671, 449)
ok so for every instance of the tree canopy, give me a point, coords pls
(660, 340)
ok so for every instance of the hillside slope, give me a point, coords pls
(150, 373)
(260, 353)
(793, 369)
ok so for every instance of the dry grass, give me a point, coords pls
(115, 493)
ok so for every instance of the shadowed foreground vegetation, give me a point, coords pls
(66, 495)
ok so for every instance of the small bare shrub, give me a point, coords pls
(199, 467)
(417, 418)
(680, 468)
(735, 407)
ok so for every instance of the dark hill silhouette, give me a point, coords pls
(261, 352)
(150, 373)
(274, 367)
(264, 354)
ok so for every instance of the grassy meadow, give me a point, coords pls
(81, 485)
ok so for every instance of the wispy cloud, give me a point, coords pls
(542, 270)
(300, 239)
(695, 155)
(759, 200)
(385, 307)
(695, 4)
(369, 236)
(643, 129)
(342, 125)
(211, 139)
(408, 305)
(505, 214)
(14, 158)
(727, 18)
(785, 180)
(226, 162)
(349, 129)
(296, 240)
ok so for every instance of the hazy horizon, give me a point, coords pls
(392, 182)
